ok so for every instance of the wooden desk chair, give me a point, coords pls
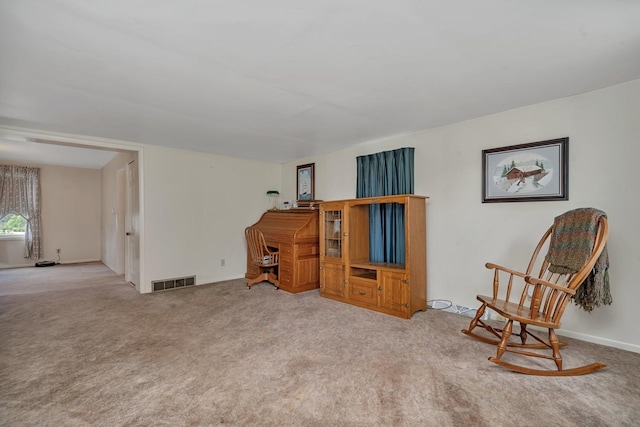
(262, 257)
(543, 295)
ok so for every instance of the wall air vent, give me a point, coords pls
(179, 282)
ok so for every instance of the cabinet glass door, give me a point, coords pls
(333, 234)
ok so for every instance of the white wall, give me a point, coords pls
(70, 217)
(196, 207)
(463, 233)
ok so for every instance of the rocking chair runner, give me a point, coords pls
(262, 257)
(540, 303)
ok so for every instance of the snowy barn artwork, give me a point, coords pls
(523, 173)
(533, 171)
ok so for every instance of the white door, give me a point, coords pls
(120, 215)
(132, 224)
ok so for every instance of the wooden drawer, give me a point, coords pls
(364, 291)
(286, 258)
(286, 250)
(285, 278)
(285, 268)
(305, 250)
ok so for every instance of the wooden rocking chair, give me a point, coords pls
(262, 257)
(541, 303)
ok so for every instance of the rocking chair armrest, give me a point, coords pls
(492, 266)
(539, 282)
(497, 269)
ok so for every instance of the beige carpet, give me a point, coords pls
(82, 348)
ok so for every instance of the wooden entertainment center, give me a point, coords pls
(347, 273)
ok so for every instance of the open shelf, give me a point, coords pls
(371, 265)
(364, 273)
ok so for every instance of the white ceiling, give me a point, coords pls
(285, 79)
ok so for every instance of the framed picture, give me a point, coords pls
(537, 171)
(305, 185)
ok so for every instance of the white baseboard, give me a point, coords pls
(593, 339)
(79, 261)
(216, 279)
(3, 266)
(32, 263)
(598, 340)
(571, 334)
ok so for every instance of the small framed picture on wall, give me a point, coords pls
(305, 184)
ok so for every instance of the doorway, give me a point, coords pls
(112, 244)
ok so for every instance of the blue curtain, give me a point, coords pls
(385, 174)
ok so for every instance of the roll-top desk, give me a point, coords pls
(294, 233)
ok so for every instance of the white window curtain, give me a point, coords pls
(20, 194)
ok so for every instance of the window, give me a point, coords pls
(20, 195)
(12, 225)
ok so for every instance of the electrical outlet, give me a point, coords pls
(222, 262)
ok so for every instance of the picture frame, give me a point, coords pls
(531, 172)
(305, 186)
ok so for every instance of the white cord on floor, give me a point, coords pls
(431, 302)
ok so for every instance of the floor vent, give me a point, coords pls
(180, 282)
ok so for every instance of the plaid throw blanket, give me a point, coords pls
(572, 241)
